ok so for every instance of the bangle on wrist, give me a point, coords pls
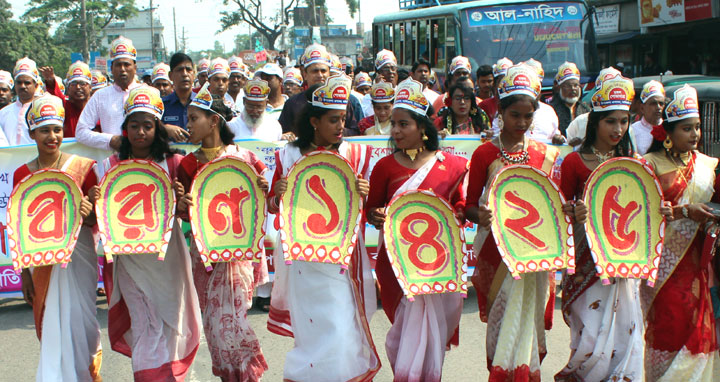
(685, 211)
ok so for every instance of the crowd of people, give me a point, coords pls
(624, 331)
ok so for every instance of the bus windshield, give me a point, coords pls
(548, 32)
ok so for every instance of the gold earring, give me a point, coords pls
(500, 122)
(425, 138)
(667, 143)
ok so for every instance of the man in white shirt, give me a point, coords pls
(237, 80)
(576, 130)
(12, 116)
(420, 72)
(653, 104)
(254, 122)
(106, 105)
(273, 75)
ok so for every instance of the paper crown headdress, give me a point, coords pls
(6, 78)
(26, 67)
(537, 65)
(44, 111)
(79, 71)
(236, 65)
(203, 99)
(606, 74)
(519, 79)
(314, 54)
(219, 65)
(146, 99)
(203, 65)
(501, 67)
(684, 104)
(409, 96)
(161, 71)
(98, 80)
(335, 65)
(460, 62)
(293, 75)
(382, 92)
(652, 89)
(333, 94)
(257, 90)
(385, 57)
(362, 79)
(122, 47)
(615, 93)
(567, 71)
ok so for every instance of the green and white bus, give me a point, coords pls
(551, 32)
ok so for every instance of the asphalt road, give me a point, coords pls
(19, 347)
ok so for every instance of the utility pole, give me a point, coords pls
(86, 47)
(184, 41)
(152, 32)
(175, 29)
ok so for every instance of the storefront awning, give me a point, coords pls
(615, 37)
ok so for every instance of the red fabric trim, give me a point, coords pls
(171, 371)
(252, 373)
(519, 374)
(281, 316)
(118, 325)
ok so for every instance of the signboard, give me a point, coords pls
(531, 230)
(663, 12)
(136, 209)
(607, 19)
(524, 14)
(625, 229)
(43, 219)
(425, 244)
(228, 214)
(321, 210)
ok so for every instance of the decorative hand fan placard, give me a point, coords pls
(625, 229)
(136, 209)
(425, 244)
(43, 219)
(531, 230)
(228, 214)
(321, 210)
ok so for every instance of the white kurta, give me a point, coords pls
(642, 135)
(269, 130)
(546, 124)
(105, 107)
(14, 126)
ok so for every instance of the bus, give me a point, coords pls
(551, 32)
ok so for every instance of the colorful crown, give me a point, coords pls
(219, 66)
(26, 67)
(98, 80)
(382, 92)
(519, 79)
(652, 89)
(460, 62)
(161, 71)
(606, 74)
(335, 64)
(314, 54)
(6, 78)
(616, 93)
(203, 65)
(567, 71)
(79, 71)
(345, 62)
(146, 99)
(257, 90)
(333, 94)
(409, 96)
(684, 104)
(537, 65)
(236, 65)
(385, 57)
(122, 47)
(45, 110)
(362, 79)
(501, 67)
(293, 75)
(203, 99)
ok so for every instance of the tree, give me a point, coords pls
(67, 15)
(30, 39)
(250, 12)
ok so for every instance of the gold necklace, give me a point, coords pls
(55, 164)
(600, 156)
(413, 153)
(212, 152)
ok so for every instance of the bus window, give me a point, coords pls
(387, 37)
(438, 43)
(409, 43)
(422, 39)
(397, 36)
(450, 38)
